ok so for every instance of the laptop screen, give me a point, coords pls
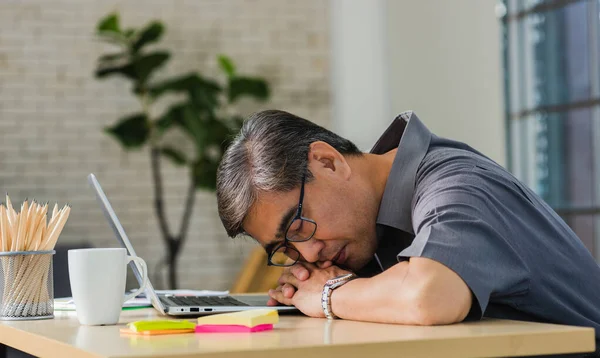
(114, 222)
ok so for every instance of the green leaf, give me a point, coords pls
(125, 70)
(132, 131)
(111, 57)
(188, 120)
(139, 70)
(226, 65)
(246, 86)
(228, 128)
(189, 83)
(109, 24)
(145, 65)
(205, 173)
(176, 156)
(205, 98)
(165, 122)
(219, 133)
(129, 33)
(113, 38)
(151, 33)
(178, 84)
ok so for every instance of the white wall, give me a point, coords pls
(438, 58)
(360, 91)
(445, 64)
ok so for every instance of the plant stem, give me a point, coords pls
(173, 243)
(174, 246)
(189, 206)
(158, 193)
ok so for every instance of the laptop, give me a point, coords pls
(179, 305)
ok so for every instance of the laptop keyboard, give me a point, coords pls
(203, 301)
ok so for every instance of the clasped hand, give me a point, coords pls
(301, 285)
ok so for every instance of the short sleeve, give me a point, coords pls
(459, 226)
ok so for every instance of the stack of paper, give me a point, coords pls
(158, 327)
(254, 320)
(67, 303)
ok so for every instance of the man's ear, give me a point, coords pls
(326, 160)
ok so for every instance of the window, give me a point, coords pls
(552, 92)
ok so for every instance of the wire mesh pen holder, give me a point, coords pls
(26, 285)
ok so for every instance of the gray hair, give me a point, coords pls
(269, 154)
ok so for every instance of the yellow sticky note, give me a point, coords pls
(248, 318)
(158, 325)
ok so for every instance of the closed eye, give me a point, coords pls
(272, 246)
(296, 226)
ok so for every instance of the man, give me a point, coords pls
(435, 231)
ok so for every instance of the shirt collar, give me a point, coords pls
(412, 139)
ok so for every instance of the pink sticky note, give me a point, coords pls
(231, 328)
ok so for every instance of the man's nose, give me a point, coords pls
(310, 250)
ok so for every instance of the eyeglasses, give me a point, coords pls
(300, 229)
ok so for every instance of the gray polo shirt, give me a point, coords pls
(445, 201)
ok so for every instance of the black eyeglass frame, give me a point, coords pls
(287, 240)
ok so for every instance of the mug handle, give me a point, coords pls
(140, 262)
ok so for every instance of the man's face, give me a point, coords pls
(338, 200)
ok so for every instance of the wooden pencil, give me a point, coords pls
(26, 291)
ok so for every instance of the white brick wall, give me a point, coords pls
(52, 110)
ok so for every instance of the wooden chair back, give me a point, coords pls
(255, 275)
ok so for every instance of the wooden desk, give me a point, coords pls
(297, 336)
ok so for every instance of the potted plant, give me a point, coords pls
(201, 114)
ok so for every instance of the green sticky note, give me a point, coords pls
(158, 325)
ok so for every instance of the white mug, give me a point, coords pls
(97, 278)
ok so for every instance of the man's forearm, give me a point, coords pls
(383, 298)
(422, 292)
